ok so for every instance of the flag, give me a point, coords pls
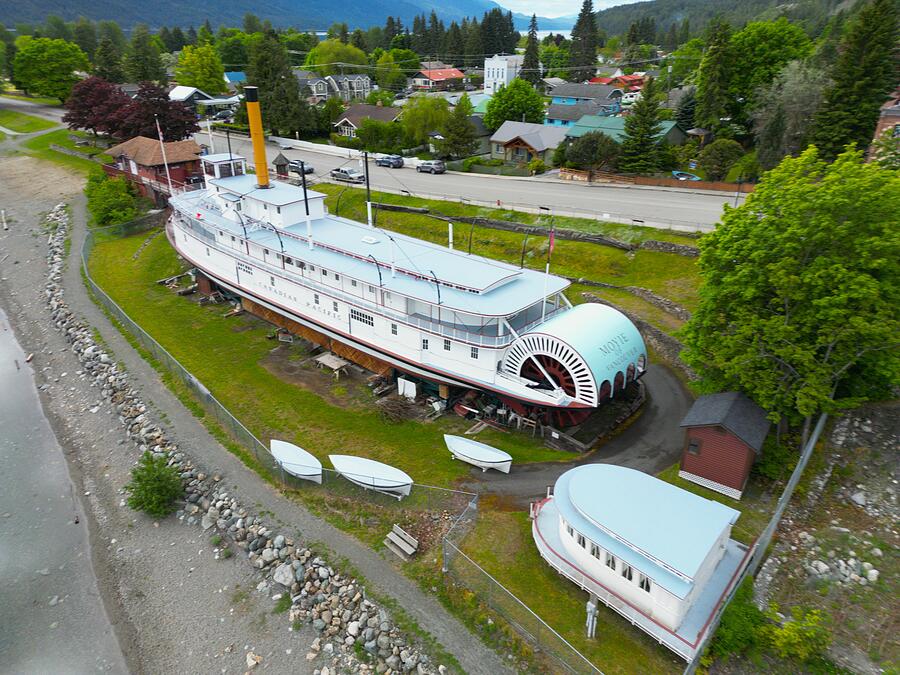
(552, 243)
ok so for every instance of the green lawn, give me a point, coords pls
(24, 124)
(672, 276)
(39, 147)
(502, 545)
(41, 100)
(628, 233)
(227, 355)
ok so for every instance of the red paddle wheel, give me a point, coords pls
(561, 417)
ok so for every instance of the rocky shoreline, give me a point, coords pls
(355, 634)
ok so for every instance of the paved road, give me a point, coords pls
(652, 443)
(50, 112)
(52, 615)
(661, 207)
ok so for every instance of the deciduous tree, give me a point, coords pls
(798, 306)
(594, 151)
(718, 157)
(176, 120)
(422, 115)
(323, 57)
(200, 67)
(518, 101)
(388, 74)
(865, 73)
(94, 104)
(48, 66)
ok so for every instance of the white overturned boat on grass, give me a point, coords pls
(479, 454)
(296, 461)
(373, 475)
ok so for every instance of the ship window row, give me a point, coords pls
(626, 571)
(362, 317)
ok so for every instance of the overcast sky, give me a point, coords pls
(554, 8)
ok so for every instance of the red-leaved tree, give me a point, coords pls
(95, 105)
(138, 117)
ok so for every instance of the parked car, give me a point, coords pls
(223, 115)
(684, 175)
(348, 175)
(630, 97)
(296, 166)
(390, 161)
(432, 166)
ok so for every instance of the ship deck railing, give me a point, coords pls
(440, 328)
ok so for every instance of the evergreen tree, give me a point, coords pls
(684, 31)
(640, 147)
(435, 33)
(108, 62)
(633, 36)
(56, 28)
(178, 39)
(252, 24)
(713, 77)
(454, 45)
(459, 132)
(390, 31)
(142, 62)
(531, 65)
(865, 73)
(84, 34)
(358, 40)
(583, 52)
(474, 44)
(284, 112)
(671, 40)
(687, 107)
(205, 35)
(112, 31)
(192, 36)
(165, 36)
(419, 35)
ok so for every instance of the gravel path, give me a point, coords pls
(141, 564)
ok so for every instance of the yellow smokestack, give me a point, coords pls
(251, 98)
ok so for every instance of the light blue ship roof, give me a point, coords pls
(506, 288)
(660, 529)
(621, 342)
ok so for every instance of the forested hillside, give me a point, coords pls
(812, 14)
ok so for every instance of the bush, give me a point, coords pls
(154, 486)
(776, 461)
(346, 142)
(238, 128)
(740, 627)
(110, 201)
(537, 166)
(804, 636)
(718, 157)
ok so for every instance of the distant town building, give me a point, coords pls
(444, 78)
(523, 141)
(724, 434)
(570, 93)
(614, 127)
(500, 70)
(317, 89)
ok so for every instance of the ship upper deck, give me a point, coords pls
(468, 283)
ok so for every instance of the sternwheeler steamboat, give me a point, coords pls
(429, 311)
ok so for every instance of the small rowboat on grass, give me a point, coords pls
(296, 461)
(373, 475)
(479, 454)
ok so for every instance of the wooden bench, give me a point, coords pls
(401, 542)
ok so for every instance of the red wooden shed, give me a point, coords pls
(723, 435)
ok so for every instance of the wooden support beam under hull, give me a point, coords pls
(367, 361)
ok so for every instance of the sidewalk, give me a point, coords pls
(206, 451)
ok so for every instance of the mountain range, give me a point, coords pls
(301, 14)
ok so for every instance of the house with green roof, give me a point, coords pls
(614, 127)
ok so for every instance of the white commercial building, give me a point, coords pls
(500, 70)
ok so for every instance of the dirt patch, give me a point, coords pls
(26, 177)
(283, 363)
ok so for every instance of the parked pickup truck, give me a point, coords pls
(348, 175)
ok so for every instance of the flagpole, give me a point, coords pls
(551, 243)
(162, 147)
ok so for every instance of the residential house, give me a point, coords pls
(482, 104)
(548, 83)
(661, 556)
(564, 115)
(482, 136)
(614, 127)
(349, 121)
(188, 95)
(140, 160)
(724, 434)
(571, 93)
(521, 142)
(433, 65)
(500, 70)
(444, 78)
(889, 118)
(318, 89)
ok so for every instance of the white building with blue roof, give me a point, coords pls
(427, 310)
(661, 556)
